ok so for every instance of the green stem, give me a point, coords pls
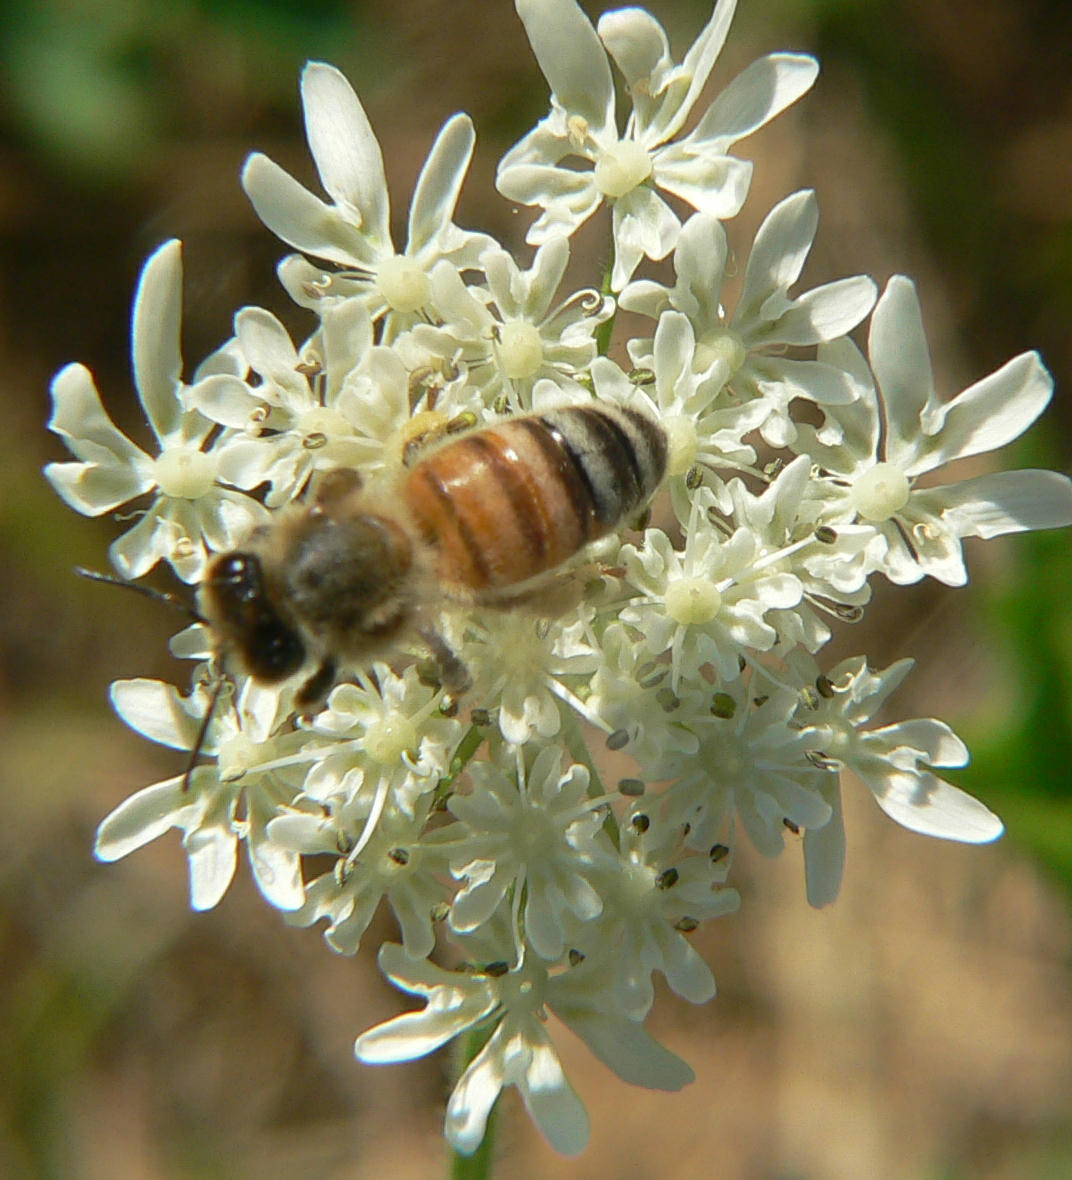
(478, 1165)
(605, 330)
(467, 747)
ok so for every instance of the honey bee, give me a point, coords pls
(485, 517)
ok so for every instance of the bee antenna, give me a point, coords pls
(202, 734)
(172, 600)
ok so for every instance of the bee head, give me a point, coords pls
(237, 604)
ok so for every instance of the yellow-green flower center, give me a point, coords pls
(725, 346)
(386, 740)
(403, 284)
(184, 474)
(692, 600)
(880, 492)
(520, 350)
(682, 443)
(621, 168)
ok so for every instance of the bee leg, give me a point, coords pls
(454, 674)
(312, 693)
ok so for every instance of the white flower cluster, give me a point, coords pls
(691, 649)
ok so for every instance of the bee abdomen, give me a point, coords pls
(619, 453)
(515, 500)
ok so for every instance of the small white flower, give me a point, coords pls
(701, 434)
(354, 231)
(393, 866)
(705, 603)
(524, 667)
(255, 766)
(654, 894)
(537, 835)
(189, 515)
(513, 333)
(625, 169)
(519, 1051)
(630, 693)
(388, 727)
(754, 760)
(831, 565)
(746, 354)
(899, 430)
(893, 761)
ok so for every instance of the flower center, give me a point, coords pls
(621, 168)
(682, 443)
(525, 657)
(692, 600)
(237, 755)
(535, 833)
(386, 740)
(725, 347)
(881, 492)
(402, 283)
(736, 764)
(520, 350)
(321, 424)
(184, 475)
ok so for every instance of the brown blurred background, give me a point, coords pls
(922, 1026)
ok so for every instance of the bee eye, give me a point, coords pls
(241, 608)
(238, 576)
(272, 650)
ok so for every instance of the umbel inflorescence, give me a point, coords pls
(450, 771)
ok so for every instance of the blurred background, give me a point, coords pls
(920, 1027)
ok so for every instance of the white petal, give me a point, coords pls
(344, 147)
(686, 972)
(572, 59)
(778, 254)
(643, 224)
(783, 378)
(700, 259)
(989, 413)
(902, 366)
(927, 804)
(136, 552)
(697, 65)
(114, 469)
(704, 177)
(145, 815)
(826, 312)
(1003, 502)
(636, 41)
(265, 342)
(440, 182)
(155, 710)
(300, 219)
(155, 332)
(276, 870)
(92, 489)
(226, 400)
(623, 1045)
(553, 1103)
(824, 854)
(920, 738)
(213, 856)
(755, 96)
(414, 1034)
(474, 1096)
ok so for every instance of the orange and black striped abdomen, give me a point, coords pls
(515, 500)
